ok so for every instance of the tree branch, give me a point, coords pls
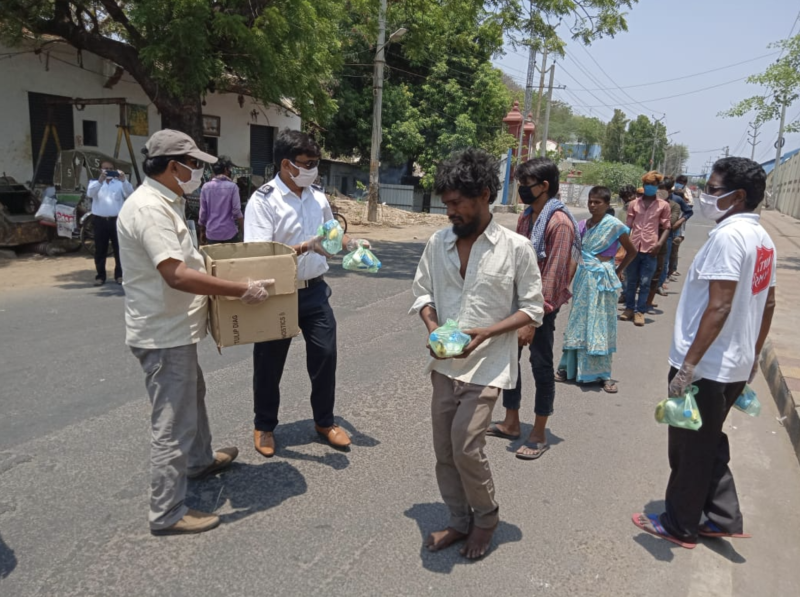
(116, 13)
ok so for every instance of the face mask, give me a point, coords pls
(678, 186)
(191, 185)
(650, 189)
(526, 195)
(709, 206)
(304, 178)
(662, 194)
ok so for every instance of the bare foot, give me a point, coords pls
(478, 543)
(439, 540)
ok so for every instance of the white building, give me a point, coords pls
(237, 126)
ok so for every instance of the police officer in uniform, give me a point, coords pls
(289, 210)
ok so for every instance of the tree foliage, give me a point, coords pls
(614, 141)
(675, 158)
(639, 140)
(782, 79)
(611, 174)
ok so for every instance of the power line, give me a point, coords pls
(616, 100)
(656, 99)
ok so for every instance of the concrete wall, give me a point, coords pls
(788, 190)
(61, 74)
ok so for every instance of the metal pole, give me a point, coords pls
(374, 154)
(539, 101)
(752, 141)
(526, 109)
(778, 150)
(543, 152)
(507, 181)
(655, 138)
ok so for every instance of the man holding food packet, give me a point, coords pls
(483, 280)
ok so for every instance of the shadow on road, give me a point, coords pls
(434, 517)
(302, 433)
(248, 489)
(84, 280)
(525, 431)
(398, 261)
(8, 560)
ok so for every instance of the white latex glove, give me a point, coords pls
(754, 372)
(315, 245)
(682, 380)
(355, 243)
(256, 292)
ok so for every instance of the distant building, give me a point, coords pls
(581, 151)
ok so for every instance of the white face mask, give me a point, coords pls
(304, 178)
(191, 185)
(709, 208)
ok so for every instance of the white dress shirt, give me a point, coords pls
(108, 196)
(278, 215)
(502, 278)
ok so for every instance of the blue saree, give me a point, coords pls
(590, 339)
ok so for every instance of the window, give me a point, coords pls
(90, 133)
(212, 145)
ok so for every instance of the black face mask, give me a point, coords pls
(526, 195)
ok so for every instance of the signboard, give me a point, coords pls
(137, 120)
(211, 126)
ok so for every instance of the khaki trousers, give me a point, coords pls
(461, 413)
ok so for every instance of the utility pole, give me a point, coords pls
(752, 140)
(543, 71)
(377, 105)
(778, 150)
(727, 151)
(655, 138)
(543, 151)
(527, 106)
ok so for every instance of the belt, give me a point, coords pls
(304, 284)
(105, 217)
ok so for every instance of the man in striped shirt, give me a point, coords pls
(554, 234)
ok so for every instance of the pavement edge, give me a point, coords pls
(771, 367)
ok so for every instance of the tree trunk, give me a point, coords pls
(182, 115)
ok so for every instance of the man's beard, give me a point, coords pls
(467, 229)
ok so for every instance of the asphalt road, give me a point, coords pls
(74, 453)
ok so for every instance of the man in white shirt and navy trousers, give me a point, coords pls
(289, 210)
(108, 193)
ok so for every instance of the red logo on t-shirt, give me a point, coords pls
(763, 272)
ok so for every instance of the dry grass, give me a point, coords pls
(356, 214)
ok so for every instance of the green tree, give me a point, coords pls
(180, 50)
(639, 140)
(675, 158)
(589, 131)
(611, 174)
(614, 141)
(782, 79)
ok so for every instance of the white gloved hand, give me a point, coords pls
(682, 380)
(256, 292)
(315, 245)
(754, 372)
(355, 243)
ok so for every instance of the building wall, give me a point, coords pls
(61, 74)
(788, 189)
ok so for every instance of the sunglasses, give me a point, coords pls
(712, 190)
(309, 165)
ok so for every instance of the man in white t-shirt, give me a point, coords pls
(723, 319)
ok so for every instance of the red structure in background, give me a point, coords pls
(514, 121)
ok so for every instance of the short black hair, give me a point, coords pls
(601, 193)
(627, 190)
(222, 166)
(668, 183)
(470, 172)
(682, 179)
(745, 174)
(158, 165)
(542, 169)
(291, 144)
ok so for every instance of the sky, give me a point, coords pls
(668, 39)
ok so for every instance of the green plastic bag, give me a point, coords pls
(361, 260)
(680, 411)
(332, 234)
(448, 340)
(748, 403)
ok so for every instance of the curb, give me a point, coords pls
(782, 395)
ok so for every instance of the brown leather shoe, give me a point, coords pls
(638, 319)
(222, 459)
(335, 436)
(627, 315)
(193, 521)
(264, 443)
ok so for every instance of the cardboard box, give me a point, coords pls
(232, 322)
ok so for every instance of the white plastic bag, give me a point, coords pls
(65, 220)
(46, 213)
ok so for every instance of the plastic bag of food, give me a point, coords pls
(361, 260)
(448, 340)
(332, 234)
(748, 403)
(46, 214)
(680, 411)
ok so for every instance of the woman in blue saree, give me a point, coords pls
(590, 339)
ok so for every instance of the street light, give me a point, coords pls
(374, 154)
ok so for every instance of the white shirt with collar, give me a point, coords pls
(108, 196)
(152, 228)
(274, 213)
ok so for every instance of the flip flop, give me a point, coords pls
(650, 523)
(494, 431)
(539, 447)
(610, 387)
(561, 376)
(709, 529)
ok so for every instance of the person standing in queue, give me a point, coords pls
(107, 193)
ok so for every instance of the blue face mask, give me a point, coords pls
(650, 190)
(678, 186)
